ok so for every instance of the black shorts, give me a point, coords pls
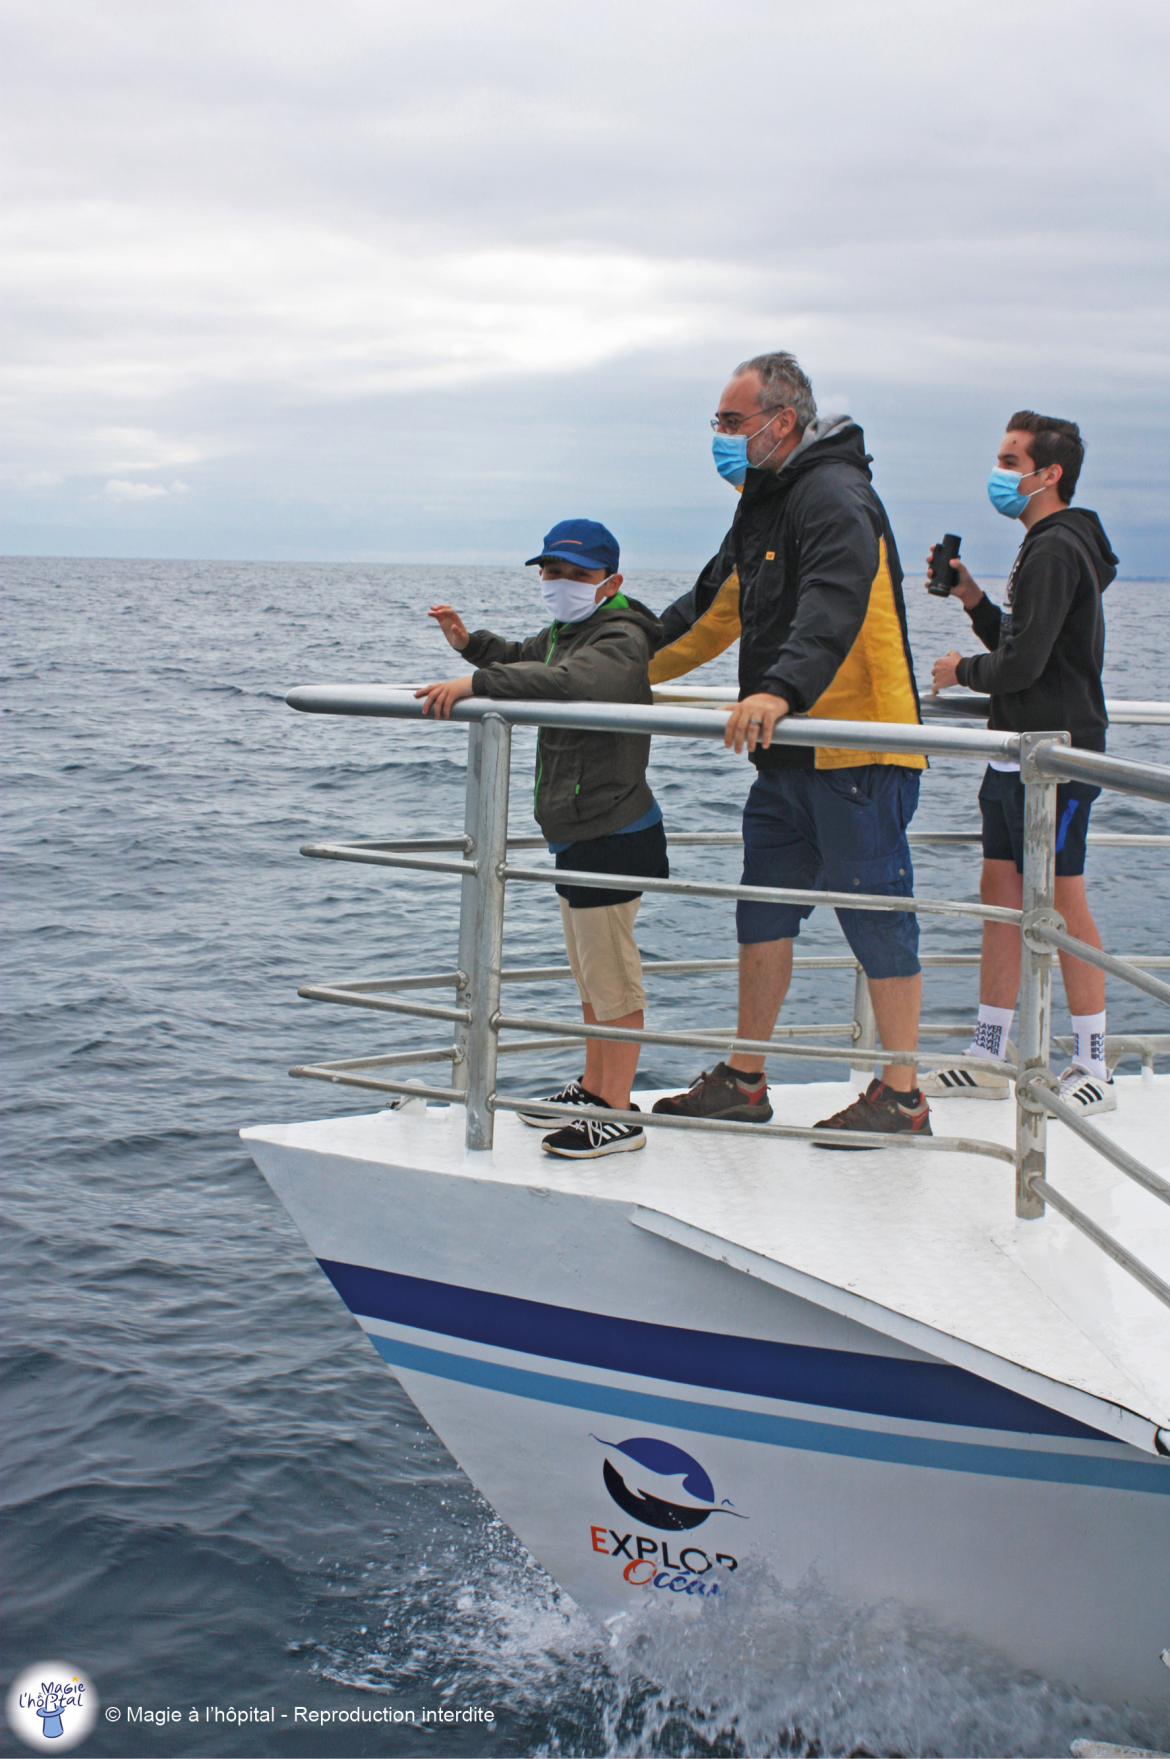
(1001, 801)
(632, 852)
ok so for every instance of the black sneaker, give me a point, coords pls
(572, 1093)
(589, 1138)
(718, 1094)
(880, 1111)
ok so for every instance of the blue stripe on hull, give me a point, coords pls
(776, 1431)
(845, 1380)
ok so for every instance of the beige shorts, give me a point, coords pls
(605, 958)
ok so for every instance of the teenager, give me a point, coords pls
(1042, 670)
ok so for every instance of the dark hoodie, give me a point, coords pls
(1047, 644)
(808, 577)
(587, 784)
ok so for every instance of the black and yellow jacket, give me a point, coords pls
(808, 578)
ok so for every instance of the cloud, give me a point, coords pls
(319, 260)
(143, 449)
(119, 490)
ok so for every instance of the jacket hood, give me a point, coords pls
(1091, 532)
(830, 438)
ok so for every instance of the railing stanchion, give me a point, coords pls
(466, 955)
(1035, 972)
(865, 1021)
(486, 929)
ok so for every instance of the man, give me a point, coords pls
(808, 577)
(1043, 674)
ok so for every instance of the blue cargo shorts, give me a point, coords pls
(837, 831)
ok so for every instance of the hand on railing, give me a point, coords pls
(753, 720)
(944, 673)
(443, 696)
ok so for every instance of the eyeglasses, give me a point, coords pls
(730, 423)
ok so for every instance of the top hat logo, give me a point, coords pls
(51, 1706)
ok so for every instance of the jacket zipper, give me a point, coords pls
(554, 631)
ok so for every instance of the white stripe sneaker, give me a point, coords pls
(964, 1083)
(1086, 1092)
(572, 1093)
(587, 1138)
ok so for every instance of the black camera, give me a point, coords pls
(942, 575)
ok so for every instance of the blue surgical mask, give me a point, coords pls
(1003, 489)
(570, 601)
(730, 454)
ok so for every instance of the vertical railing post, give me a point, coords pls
(1035, 970)
(467, 900)
(486, 932)
(865, 1023)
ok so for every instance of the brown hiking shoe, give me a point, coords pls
(718, 1094)
(880, 1111)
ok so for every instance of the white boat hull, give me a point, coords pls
(652, 1422)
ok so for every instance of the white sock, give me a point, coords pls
(991, 1033)
(1089, 1043)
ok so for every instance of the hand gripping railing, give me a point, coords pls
(479, 859)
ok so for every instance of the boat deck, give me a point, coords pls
(929, 1239)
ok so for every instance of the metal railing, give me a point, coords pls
(965, 705)
(481, 859)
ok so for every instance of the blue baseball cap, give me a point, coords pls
(582, 541)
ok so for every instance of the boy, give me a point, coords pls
(1042, 671)
(592, 801)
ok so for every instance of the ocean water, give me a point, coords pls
(216, 1495)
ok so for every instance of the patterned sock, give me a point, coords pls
(991, 1033)
(1089, 1043)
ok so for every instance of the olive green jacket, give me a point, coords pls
(587, 784)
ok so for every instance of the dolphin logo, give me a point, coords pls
(660, 1485)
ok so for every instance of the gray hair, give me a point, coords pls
(783, 385)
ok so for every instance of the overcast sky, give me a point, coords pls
(407, 281)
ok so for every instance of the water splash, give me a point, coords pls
(798, 1671)
(770, 1670)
